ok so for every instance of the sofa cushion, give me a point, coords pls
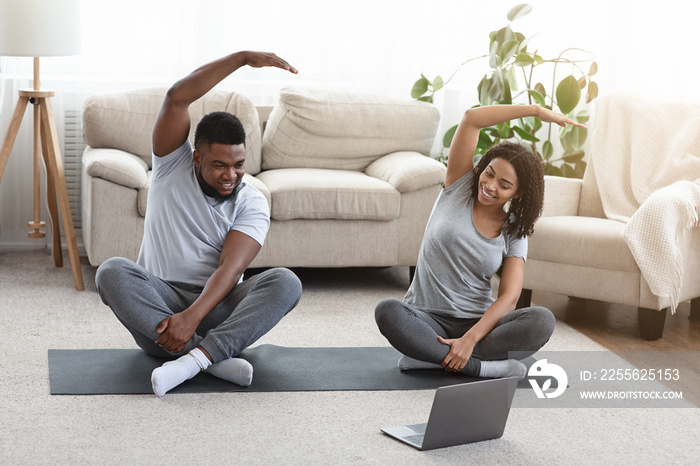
(312, 193)
(407, 171)
(125, 120)
(116, 166)
(342, 130)
(586, 241)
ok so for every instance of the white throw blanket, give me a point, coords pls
(647, 164)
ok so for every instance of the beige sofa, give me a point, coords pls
(346, 175)
(576, 251)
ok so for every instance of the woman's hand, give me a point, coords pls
(460, 351)
(549, 116)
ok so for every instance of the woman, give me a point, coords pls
(480, 223)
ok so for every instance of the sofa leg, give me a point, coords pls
(694, 309)
(651, 323)
(525, 299)
(411, 273)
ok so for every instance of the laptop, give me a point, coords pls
(463, 413)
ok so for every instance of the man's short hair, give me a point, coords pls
(219, 128)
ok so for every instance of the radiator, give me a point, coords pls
(73, 146)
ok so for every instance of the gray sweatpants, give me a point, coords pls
(414, 333)
(141, 301)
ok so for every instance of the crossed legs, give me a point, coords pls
(414, 333)
(140, 301)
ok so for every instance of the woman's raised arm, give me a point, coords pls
(463, 147)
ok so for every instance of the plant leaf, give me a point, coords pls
(539, 87)
(574, 157)
(583, 116)
(504, 130)
(437, 83)
(426, 98)
(550, 169)
(519, 10)
(494, 57)
(420, 87)
(496, 88)
(580, 169)
(506, 97)
(528, 123)
(449, 135)
(522, 48)
(592, 91)
(594, 69)
(504, 35)
(523, 59)
(511, 78)
(565, 140)
(568, 94)
(508, 50)
(538, 124)
(524, 134)
(568, 171)
(582, 82)
(578, 136)
(485, 142)
(547, 149)
(483, 89)
(539, 98)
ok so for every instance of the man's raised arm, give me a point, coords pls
(173, 122)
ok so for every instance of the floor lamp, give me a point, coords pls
(43, 28)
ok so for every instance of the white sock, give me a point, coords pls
(173, 373)
(502, 368)
(236, 370)
(406, 363)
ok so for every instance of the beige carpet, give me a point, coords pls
(40, 309)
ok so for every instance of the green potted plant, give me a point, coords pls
(509, 80)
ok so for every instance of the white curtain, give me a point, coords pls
(371, 45)
(378, 46)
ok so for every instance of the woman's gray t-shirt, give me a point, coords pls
(456, 262)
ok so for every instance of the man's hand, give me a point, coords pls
(262, 59)
(172, 125)
(460, 351)
(176, 331)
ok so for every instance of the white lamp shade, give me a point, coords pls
(39, 28)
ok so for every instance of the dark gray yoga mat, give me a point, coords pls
(276, 368)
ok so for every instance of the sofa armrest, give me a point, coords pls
(407, 171)
(561, 196)
(117, 166)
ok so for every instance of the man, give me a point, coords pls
(186, 296)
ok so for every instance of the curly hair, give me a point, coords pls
(525, 209)
(219, 128)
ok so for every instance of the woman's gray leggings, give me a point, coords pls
(414, 333)
(141, 301)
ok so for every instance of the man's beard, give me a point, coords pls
(210, 191)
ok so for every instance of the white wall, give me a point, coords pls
(368, 45)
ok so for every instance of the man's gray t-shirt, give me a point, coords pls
(456, 262)
(185, 229)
